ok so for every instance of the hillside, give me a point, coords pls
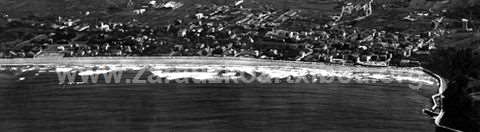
(108, 8)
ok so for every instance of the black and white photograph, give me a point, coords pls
(239, 66)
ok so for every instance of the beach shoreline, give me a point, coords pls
(173, 60)
(274, 68)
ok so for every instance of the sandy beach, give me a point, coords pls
(424, 82)
(189, 60)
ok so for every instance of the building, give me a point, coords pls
(52, 51)
(182, 33)
(282, 35)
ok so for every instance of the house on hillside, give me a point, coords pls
(282, 35)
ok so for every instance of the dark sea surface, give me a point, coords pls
(40, 104)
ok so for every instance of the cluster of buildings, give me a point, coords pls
(358, 11)
(229, 30)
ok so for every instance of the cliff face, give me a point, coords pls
(462, 98)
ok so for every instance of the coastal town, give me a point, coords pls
(230, 30)
(249, 65)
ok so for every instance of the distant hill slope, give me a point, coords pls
(443, 4)
(316, 7)
(117, 9)
(47, 7)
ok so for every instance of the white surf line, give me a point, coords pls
(438, 103)
(235, 63)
